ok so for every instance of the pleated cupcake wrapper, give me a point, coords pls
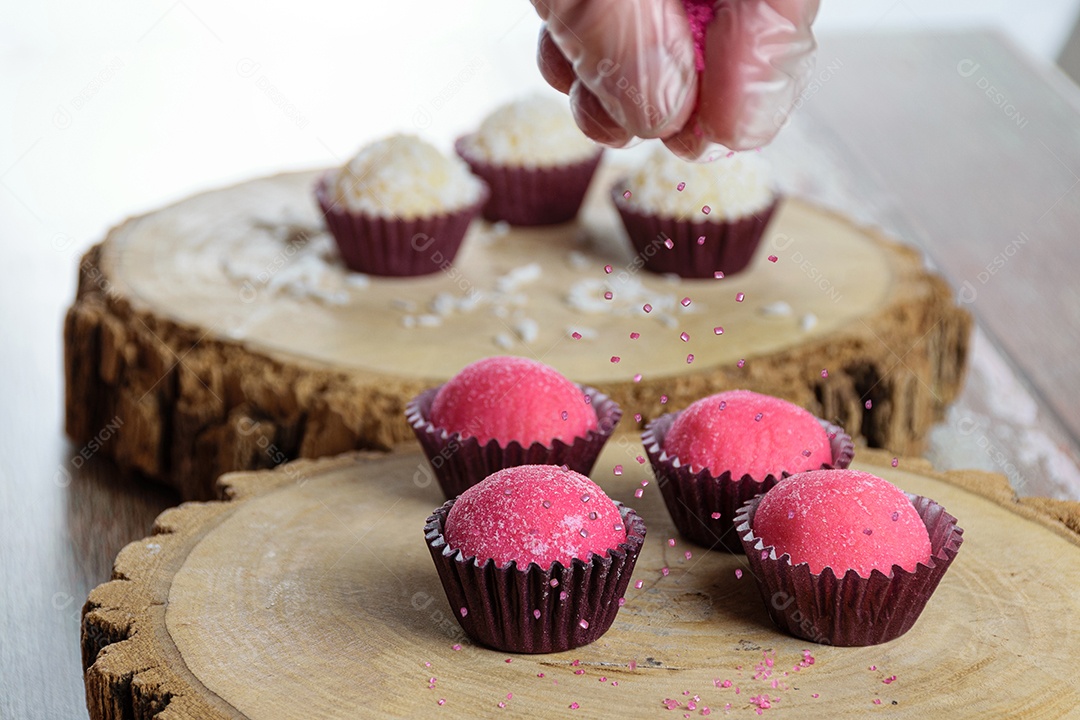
(693, 497)
(393, 247)
(532, 195)
(729, 246)
(850, 610)
(461, 463)
(576, 603)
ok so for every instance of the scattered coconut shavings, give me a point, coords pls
(807, 322)
(503, 341)
(778, 308)
(527, 330)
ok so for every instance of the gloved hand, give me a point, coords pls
(692, 72)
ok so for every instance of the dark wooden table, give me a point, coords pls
(955, 143)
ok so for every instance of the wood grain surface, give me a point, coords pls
(311, 594)
(60, 536)
(216, 372)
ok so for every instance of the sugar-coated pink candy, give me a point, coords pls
(748, 434)
(510, 398)
(534, 513)
(842, 519)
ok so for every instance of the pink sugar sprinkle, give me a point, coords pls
(663, 399)
(622, 601)
(608, 295)
(814, 695)
(617, 470)
(615, 683)
(637, 417)
(579, 672)
(889, 680)
(688, 554)
(684, 336)
(877, 701)
(634, 335)
(509, 660)
(668, 243)
(575, 663)
(638, 492)
(615, 359)
(715, 516)
(718, 275)
(739, 297)
(644, 483)
(562, 595)
(455, 647)
(432, 680)
(602, 679)
(632, 665)
(686, 302)
(641, 460)
(574, 706)
(427, 664)
(706, 209)
(607, 269)
(554, 582)
(536, 614)
(540, 675)
(738, 573)
(502, 704)
(626, 194)
(464, 611)
(647, 307)
(671, 542)
(701, 240)
(718, 330)
(872, 668)
(638, 584)
(665, 571)
(576, 335)
(681, 186)
(773, 258)
(442, 701)
(868, 404)
(584, 624)
(895, 462)
(824, 373)
(741, 363)
(706, 711)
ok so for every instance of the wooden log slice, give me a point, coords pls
(221, 333)
(310, 593)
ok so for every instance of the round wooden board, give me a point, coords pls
(311, 594)
(196, 338)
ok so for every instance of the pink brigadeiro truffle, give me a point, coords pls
(842, 519)
(508, 399)
(534, 513)
(534, 558)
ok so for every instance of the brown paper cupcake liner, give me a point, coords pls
(390, 246)
(729, 246)
(531, 610)
(850, 610)
(694, 498)
(461, 463)
(531, 195)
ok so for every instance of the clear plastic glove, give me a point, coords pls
(693, 72)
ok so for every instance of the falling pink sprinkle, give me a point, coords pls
(741, 363)
(608, 295)
(684, 336)
(634, 335)
(638, 492)
(688, 554)
(665, 571)
(686, 302)
(640, 459)
(773, 258)
(442, 701)
(739, 297)
(706, 209)
(584, 625)
(663, 399)
(574, 705)
(637, 417)
(868, 404)
(681, 186)
(738, 573)
(718, 330)
(607, 269)
(554, 582)
(647, 307)
(701, 240)
(715, 516)
(455, 647)
(895, 462)
(464, 611)
(638, 584)
(615, 359)
(824, 373)
(626, 194)
(576, 335)
(637, 378)
(718, 275)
